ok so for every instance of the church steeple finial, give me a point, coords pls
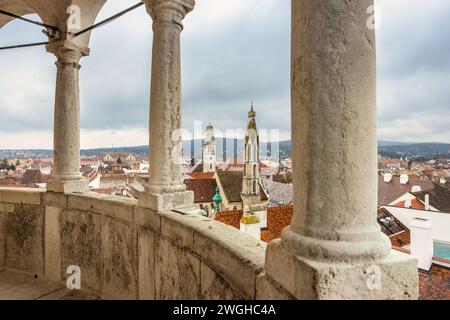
(251, 113)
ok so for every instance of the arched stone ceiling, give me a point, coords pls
(54, 12)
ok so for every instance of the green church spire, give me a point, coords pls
(217, 199)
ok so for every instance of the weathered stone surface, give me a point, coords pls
(52, 247)
(115, 207)
(146, 268)
(214, 287)
(180, 228)
(119, 257)
(267, 289)
(24, 239)
(55, 199)
(397, 275)
(21, 195)
(165, 190)
(233, 254)
(81, 246)
(148, 219)
(177, 273)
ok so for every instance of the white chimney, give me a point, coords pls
(404, 178)
(387, 177)
(422, 242)
(427, 202)
(408, 203)
(251, 225)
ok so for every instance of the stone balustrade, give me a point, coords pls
(128, 252)
(130, 249)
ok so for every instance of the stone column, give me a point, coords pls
(334, 242)
(66, 133)
(165, 189)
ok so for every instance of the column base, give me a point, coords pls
(67, 186)
(166, 201)
(393, 277)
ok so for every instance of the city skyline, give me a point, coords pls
(413, 100)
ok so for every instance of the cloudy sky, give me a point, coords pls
(233, 52)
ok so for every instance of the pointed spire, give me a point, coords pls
(251, 113)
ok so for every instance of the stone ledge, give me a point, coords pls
(21, 195)
(55, 199)
(181, 228)
(268, 289)
(238, 257)
(394, 277)
(148, 219)
(114, 207)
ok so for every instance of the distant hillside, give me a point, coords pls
(416, 150)
(386, 148)
(384, 143)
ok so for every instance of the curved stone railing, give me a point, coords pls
(127, 252)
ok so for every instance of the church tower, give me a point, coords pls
(209, 150)
(250, 182)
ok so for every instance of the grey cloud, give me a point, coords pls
(227, 66)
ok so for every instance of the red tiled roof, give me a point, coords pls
(391, 191)
(204, 189)
(278, 218)
(231, 182)
(201, 175)
(415, 204)
(439, 197)
(231, 218)
(434, 284)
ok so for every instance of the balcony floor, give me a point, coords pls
(19, 286)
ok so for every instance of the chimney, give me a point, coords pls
(427, 202)
(251, 225)
(408, 203)
(422, 242)
(387, 177)
(404, 178)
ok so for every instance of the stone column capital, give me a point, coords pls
(67, 52)
(169, 11)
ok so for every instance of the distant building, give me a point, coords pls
(119, 157)
(209, 150)
(393, 189)
(250, 181)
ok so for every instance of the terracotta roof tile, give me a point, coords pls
(439, 197)
(204, 189)
(389, 192)
(434, 284)
(231, 218)
(232, 185)
(201, 175)
(278, 218)
(415, 204)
